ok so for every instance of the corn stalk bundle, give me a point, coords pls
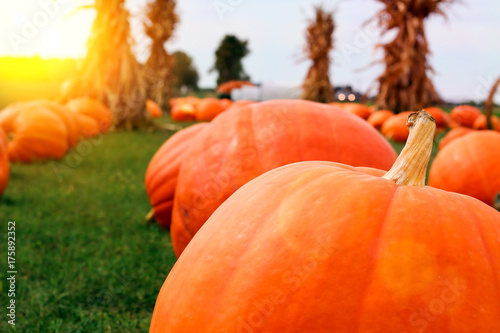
(405, 85)
(110, 72)
(319, 36)
(160, 25)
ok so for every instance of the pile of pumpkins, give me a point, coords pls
(201, 109)
(40, 130)
(271, 239)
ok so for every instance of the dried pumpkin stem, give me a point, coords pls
(488, 110)
(411, 166)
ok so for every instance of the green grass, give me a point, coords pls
(86, 259)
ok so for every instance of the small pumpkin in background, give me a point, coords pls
(162, 172)
(395, 127)
(4, 162)
(326, 247)
(358, 109)
(469, 165)
(441, 117)
(377, 118)
(183, 112)
(154, 109)
(67, 116)
(94, 109)
(248, 141)
(38, 133)
(225, 103)
(465, 115)
(208, 109)
(453, 134)
(481, 124)
(88, 126)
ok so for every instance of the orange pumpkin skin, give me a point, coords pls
(359, 110)
(455, 133)
(94, 109)
(481, 124)
(208, 109)
(161, 175)
(154, 109)
(88, 126)
(4, 162)
(183, 112)
(67, 116)
(38, 134)
(439, 116)
(246, 142)
(465, 115)
(377, 118)
(225, 103)
(324, 247)
(240, 103)
(395, 128)
(469, 165)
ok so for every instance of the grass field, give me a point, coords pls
(86, 260)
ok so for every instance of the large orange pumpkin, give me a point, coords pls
(469, 165)
(38, 133)
(465, 115)
(246, 142)
(4, 162)
(395, 128)
(326, 247)
(94, 109)
(378, 118)
(208, 109)
(161, 175)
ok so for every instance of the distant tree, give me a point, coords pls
(228, 59)
(184, 71)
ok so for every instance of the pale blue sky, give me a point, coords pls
(466, 47)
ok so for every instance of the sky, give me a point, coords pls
(465, 46)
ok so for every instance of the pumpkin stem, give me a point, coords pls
(411, 166)
(150, 217)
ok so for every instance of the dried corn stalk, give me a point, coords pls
(405, 85)
(110, 72)
(319, 36)
(489, 105)
(160, 25)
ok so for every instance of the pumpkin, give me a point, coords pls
(465, 115)
(183, 112)
(4, 162)
(69, 118)
(326, 247)
(240, 103)
(225, 103)
(455, 133)
(246, 142)
(88, 125)
(395, 127)
(161, 175)
(208, 109)
(94, 109)
(377, 118)
(469, 165)
(441, 117)
(38, 133)
(154, 109)
(481, 124)
(359, 110)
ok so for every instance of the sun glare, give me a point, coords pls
(51, 45)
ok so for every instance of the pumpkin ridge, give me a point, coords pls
(486, 249)
(373, 266)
